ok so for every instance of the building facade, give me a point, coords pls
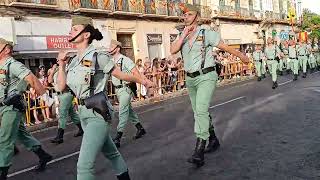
(145, 27)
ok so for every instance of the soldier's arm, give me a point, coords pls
(33, 81)
(177, 44)
(62, 76)
(230, 50)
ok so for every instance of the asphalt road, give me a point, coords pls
(265, 134)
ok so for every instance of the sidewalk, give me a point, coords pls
(145, 102)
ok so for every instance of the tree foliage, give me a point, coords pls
(311, 23)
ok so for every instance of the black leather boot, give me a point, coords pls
(281, 73)
(295, 77)
(304, 75)
(117, 139)
(124, 176)
(213, 144)
(197, 157)
(140, 131)
(16, 150)
(275, 85)
(263, 76)
(288, 71)
(259, 78)
(80, 131)
(59, 138)
(4, 173)
(44, 158)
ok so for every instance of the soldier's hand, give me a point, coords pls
(61, 63)
(187, 30)
(62, 56)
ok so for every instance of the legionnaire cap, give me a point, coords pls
(259, 42)
(81, 20)
(5, 42)
(115, 42)
(190, 7)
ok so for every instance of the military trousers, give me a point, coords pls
(280, 65)
(312, 61)
(12, 129)
(273, 66)
(288, 63)
(96, 138)
(258, 65)
(201, 89)
(263, 67)
(66, 110)
(295, 66)
(126, 112)
(303, 60)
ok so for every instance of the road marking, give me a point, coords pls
(235, 99)
(285, 82)
(51, 162)
(76, 153)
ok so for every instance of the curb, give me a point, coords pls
(149, 101)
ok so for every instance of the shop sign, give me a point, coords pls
(154, 38)
(59, 42)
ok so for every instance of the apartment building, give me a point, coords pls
(145, 27)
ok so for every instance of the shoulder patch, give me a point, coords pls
(87, 63)
(199, 38)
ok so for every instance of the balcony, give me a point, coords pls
(158, 9)
(39, 4)
(206, 12)
(232, 12)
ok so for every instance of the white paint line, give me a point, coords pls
(76, 153)
(281, 84)
(159, 107)
(316, 90)
(51, 162)
(235, 99)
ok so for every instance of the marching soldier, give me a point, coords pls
(311, 58)
(293, 56)
(196, 43)
(65, 109)
(272, 53)
(303, 57)
(87, 75)
(14, 77)
(280, 63)
(257, 57)
(124, 93)
(286, 59)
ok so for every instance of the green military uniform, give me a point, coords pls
(65, 110)
(257, 57)
(124, 94)
(293, 55)
(96, 137)
(302, 57)
(12, 74)
(202, 87)
(271, 52)
(286, 59)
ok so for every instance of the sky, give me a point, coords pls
(313, 5)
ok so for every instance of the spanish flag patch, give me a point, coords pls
(199, 38)
(86, 63)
